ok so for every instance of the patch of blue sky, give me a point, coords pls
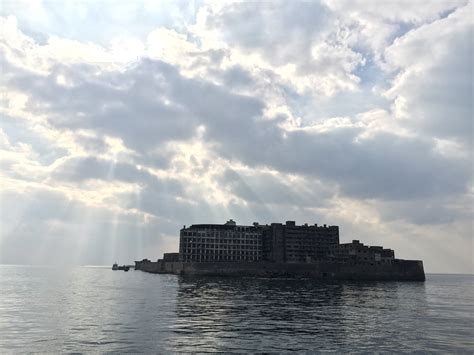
(369, 73)
(100, 21)
(402, 28)
(367, 96)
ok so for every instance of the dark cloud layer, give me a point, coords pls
(384, 166)
(90, 168)
(265, 188)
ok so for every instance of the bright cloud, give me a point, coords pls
(126, 121)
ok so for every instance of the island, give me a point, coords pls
(280, 250)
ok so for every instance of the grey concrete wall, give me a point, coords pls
(400, 270)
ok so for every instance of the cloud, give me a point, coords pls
(288, 38)
(384, 166)
(431, 211)
(328, 112)
(173, 208)
(266, 188)
(151, 103)
(372, 26)
(269, 27)
(90, 168)
(97, 21)
(433, 92)
(237, 76)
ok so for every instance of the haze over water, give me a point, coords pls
(96, 309)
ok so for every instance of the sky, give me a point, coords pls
(122, 121)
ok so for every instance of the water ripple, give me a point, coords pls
(82, 309)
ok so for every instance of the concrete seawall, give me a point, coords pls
(398, 270)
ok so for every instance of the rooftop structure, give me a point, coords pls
(360, 252)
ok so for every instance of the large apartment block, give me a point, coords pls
(276, 242)
(220, 242)
(290, 243)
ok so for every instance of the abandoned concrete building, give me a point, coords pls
(276, 242)
(280, 250)
(220, 242)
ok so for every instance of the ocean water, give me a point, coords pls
(46, 309)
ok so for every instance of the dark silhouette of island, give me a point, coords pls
(280, 250)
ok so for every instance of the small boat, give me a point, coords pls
(123, 267)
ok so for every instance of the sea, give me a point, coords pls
(95, 309)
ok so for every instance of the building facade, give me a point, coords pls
(284, 243)
(220, 243)
(358, 252)
(289, 243)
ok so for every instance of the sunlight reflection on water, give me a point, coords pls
(95, 309)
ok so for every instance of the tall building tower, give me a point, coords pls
(220, 242)
(298, 244)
